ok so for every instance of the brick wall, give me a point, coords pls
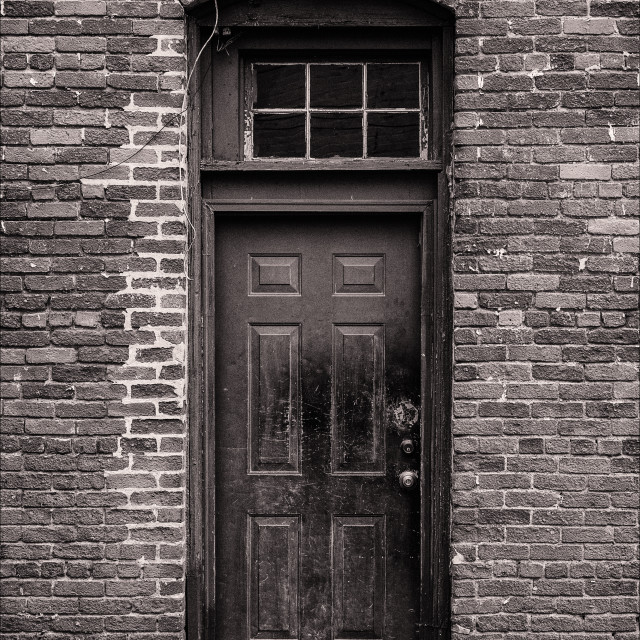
(546, 278)
(546, 358)
(93, 319)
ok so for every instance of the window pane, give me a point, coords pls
(393, 135)
(393, 86)
(336, 134)
(279, 86)
(278, 135)
(336, 86)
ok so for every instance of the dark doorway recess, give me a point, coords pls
(320, 361)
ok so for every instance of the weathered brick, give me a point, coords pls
(561, 300)
(614, 226)
(585, 172)
(80, 43)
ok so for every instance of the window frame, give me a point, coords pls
(421, 58)
(222, 91)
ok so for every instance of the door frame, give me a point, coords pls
(434, 435)
(436, 365)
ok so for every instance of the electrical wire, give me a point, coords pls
(182, 156)
(53, 185)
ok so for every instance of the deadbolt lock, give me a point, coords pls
(408, 479)
(407, 446)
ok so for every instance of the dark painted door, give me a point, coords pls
(317, 384)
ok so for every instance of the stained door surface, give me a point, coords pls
(317, 384)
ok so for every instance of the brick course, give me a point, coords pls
(545, 244)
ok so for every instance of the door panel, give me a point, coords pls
(273, 556)
(318, 369)
(357, 400)
(274, 401)
(359, 568)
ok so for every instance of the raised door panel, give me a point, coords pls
(357, 438)
(358, 275)
(274, 438)
(271, 275)
(359, 576)
(273, 550)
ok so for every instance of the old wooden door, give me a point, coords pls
(317, 387)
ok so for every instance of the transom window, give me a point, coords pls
(321, 110)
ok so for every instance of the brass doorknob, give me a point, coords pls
(408, 479)
(407, 446)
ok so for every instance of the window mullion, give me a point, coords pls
(364, 110)
(308, 109)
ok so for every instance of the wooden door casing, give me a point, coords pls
(435, 436)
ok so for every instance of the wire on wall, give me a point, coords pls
(181, 154)
(182, 150)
